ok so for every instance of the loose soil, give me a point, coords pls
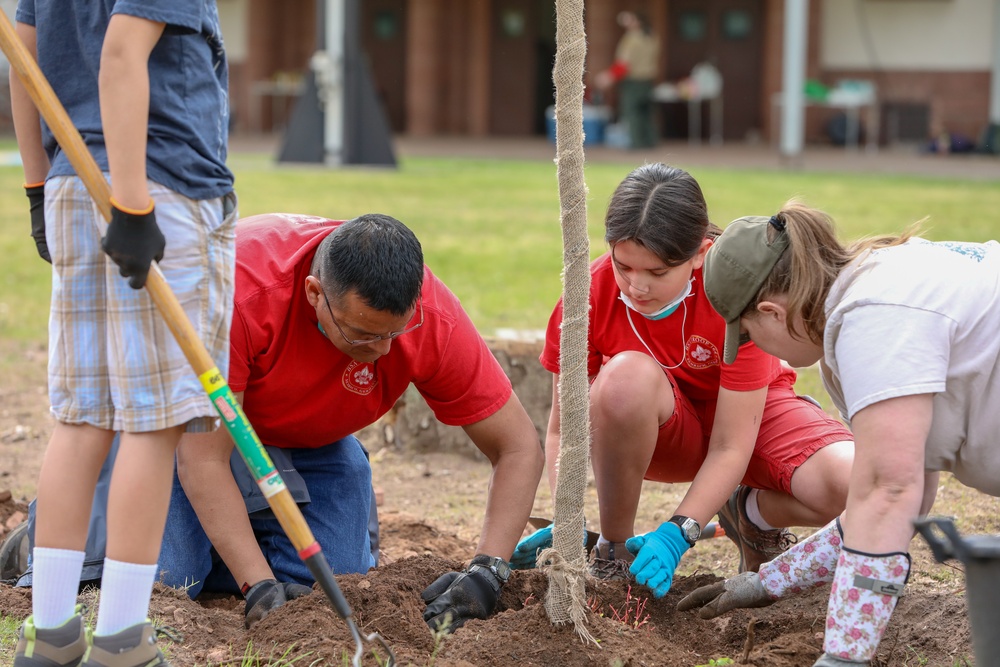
(431, 516)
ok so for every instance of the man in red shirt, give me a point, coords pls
(332, 322)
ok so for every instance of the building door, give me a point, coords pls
(514, 66)
(383, 38)
(728, 34)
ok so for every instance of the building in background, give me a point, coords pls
(483, 67)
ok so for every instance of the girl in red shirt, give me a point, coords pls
(664, 407)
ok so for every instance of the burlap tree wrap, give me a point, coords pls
(565, 562)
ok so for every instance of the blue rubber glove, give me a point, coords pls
(656, 557)
(527, 549)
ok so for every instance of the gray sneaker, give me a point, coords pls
(64, 646)
(132, 647)
(610, 561)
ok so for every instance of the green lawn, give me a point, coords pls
(490, 229)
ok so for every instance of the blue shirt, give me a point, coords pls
(189, 86)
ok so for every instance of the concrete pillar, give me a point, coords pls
(794, 77)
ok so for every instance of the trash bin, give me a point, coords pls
(981, 556)
(595, 120)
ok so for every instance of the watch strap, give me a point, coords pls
(497, 567)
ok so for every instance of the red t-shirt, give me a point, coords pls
(300, 390)
(699, 337)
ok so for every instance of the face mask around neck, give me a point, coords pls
(667, 310)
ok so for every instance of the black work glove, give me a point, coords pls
(269, 594)
(36, 205)
(133, 241)
(457, 597)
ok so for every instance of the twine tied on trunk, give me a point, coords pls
(565, 562)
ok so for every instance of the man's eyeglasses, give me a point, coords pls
(374, 339)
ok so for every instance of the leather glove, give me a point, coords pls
(457, 597)
(656, 557)
(827, 660)
(133, 242)
(36, 206)
(744, 591)
(267, 595)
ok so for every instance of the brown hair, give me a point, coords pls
(662, 209)
(813, 260)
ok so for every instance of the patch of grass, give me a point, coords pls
(490, 228)
(9, 626)
(717, 662)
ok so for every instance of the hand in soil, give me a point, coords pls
(526, 551)
(656, 557)
(740, 592)
(457, 597)
(267, 595)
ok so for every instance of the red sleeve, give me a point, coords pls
(458, 375)
(549, 358)
(239, 352)
(753, 369)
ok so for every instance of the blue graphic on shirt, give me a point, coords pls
(974, 251)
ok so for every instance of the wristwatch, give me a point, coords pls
(495, 565)
(690, 529)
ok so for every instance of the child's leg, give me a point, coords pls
(156, 394)
(801, 464)
(819, 489)
(630, 399)
(137, 511)
(66, 485)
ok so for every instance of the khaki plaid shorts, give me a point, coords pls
(113, 363)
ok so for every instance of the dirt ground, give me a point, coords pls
(431, 516)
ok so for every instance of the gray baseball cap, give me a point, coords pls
(736, 266)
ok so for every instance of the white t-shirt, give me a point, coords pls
(924, 318)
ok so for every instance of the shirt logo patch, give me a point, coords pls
(701, 353)
(360, 378)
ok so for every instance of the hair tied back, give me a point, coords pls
(777, 223)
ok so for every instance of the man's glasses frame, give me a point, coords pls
(357, 342)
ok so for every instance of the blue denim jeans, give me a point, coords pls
(339, 512)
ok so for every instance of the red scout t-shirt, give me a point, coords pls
(300, 390)
(703, 333)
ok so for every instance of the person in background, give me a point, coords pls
(634, 72)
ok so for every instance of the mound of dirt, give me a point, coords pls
(929, 628)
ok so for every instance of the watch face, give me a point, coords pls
(692, 530)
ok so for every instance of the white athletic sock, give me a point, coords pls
(55, 582)
(125, 592)
(753, 511)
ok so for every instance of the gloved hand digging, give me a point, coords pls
(656, 557)
(527, 549)
(743, 591)
(36, 206)
(269, 594)
(457, 597)
(133, 242)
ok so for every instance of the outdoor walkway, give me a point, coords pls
(898, 160)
